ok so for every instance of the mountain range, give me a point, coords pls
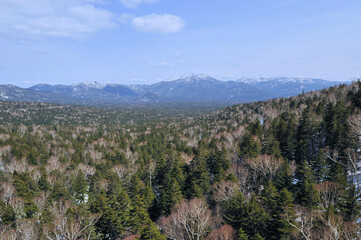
(188, 88)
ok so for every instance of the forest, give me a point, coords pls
(286, 168)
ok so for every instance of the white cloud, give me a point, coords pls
(155, 23)
(60, 18)
(135, 3)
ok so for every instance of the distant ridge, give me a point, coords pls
(187, 88)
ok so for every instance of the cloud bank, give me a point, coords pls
(78, 19)
(66, 18)
(155, 23)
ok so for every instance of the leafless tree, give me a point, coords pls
(40, 201)
(190, 220)
(18, 205)
(8, 233)
(7, 191)
(265, 165)
(120, 170)
(222, 191)
(35, 174)
(304, 222)
(27, 229)
(86, 169)
(226, 232)
(330, 194)
(68, 227)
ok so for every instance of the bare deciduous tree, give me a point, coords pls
(329, 194)
(68, 227)
(18, 205)
(304, 222)
(86, 169)
(7, 190)
(265, 165)
(8, 233)
(226, 232)
(120, 170)
(27, 229)
(190, 220)
(224, 190)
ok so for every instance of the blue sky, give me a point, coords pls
(146, 41)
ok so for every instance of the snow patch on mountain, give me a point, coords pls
(90, 84)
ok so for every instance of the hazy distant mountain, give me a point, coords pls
(188, 88)
(287, 87)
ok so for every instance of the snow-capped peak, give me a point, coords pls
(189, 77)
(250, 80)
(90, 84)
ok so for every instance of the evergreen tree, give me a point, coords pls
(234, 209)
(250, 146)
(306, 193)
(350, 205)
(151, 232)
(138, 209)
(79, 187)
(170, 194)
(198, 180)
(7, 214)
(319, 166)
(241, 235)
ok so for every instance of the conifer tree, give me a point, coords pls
(350, 205)
(306, 193)
(79, 187)
(170, 194)
(242, 235)
(151, 232)
(198, 179)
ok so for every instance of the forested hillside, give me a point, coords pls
(286, 168)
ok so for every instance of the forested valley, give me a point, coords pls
(286, 168)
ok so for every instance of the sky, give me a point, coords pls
(147, 41)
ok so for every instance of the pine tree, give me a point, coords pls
(283, 178)
(242, 235)
(138, 210)
(350, 205)
(254, 220)
(170, 194)
(151, 232)
(306, 193)
(285, 209)
(234, 209)
(199, 179)
(79, 187)
(319, 166)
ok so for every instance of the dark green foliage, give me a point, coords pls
(59, 192)
(251, 217)
(306, 193)
(79, 187)
(151, 232)
(356, 98)
(115, 215)
(319, 166)
(350, 205)
(250, 146)
(241, 235)
(285, 133)
(170, 194)
(24, 185)
(198, 181)
(30, 208)
(7, 214)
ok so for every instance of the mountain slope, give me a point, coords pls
(188, 88)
